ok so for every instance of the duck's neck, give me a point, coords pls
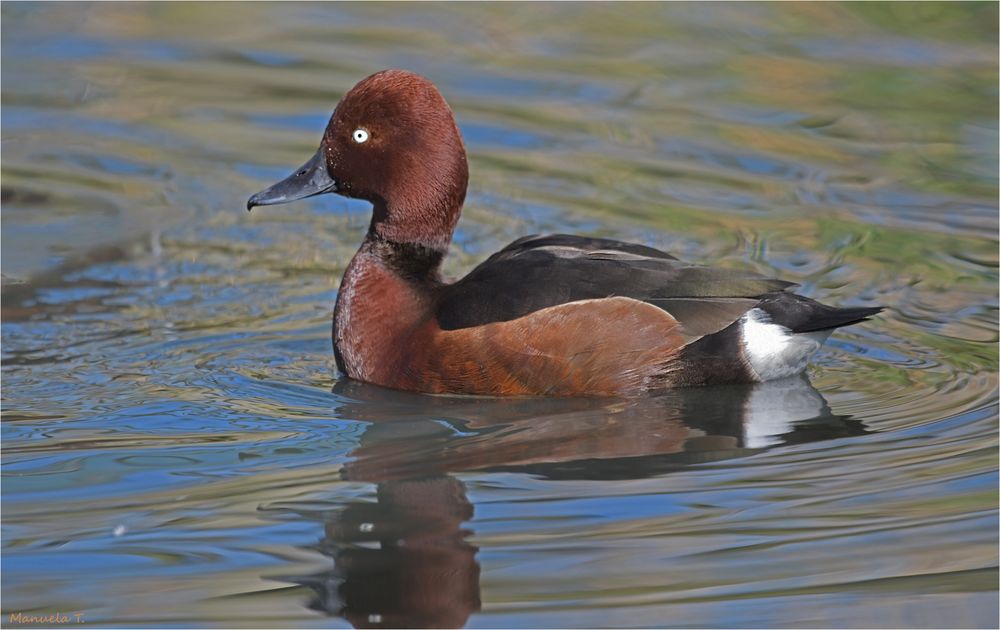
(423, 203)
(387, 292)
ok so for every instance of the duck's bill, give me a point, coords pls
(308, 180)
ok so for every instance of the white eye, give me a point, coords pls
(359, 135)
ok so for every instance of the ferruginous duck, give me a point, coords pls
(554, 315)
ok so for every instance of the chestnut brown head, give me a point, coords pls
(392, 141)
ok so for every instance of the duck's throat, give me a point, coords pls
(387, 293)
(425, 220)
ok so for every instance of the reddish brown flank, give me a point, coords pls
(555, 315)
(558, 351)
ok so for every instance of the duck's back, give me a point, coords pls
(537, 272)
(730, 326)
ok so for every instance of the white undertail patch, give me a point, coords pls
(774, 351)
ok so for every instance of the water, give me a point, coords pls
(177, 450)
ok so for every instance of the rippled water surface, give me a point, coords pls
(177, 448)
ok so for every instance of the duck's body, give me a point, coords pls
(547, 315)
(565, 315)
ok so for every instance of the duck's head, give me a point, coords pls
(392, 141)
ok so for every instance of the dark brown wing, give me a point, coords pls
(538, 272)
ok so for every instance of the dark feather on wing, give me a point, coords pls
(537, 272)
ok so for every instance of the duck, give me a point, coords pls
(553, 315)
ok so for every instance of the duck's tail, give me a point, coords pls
(774, 339)
(781, 334)
(803, 315)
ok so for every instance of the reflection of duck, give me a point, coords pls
(404, 560)
(422, 574)
(597, 439)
